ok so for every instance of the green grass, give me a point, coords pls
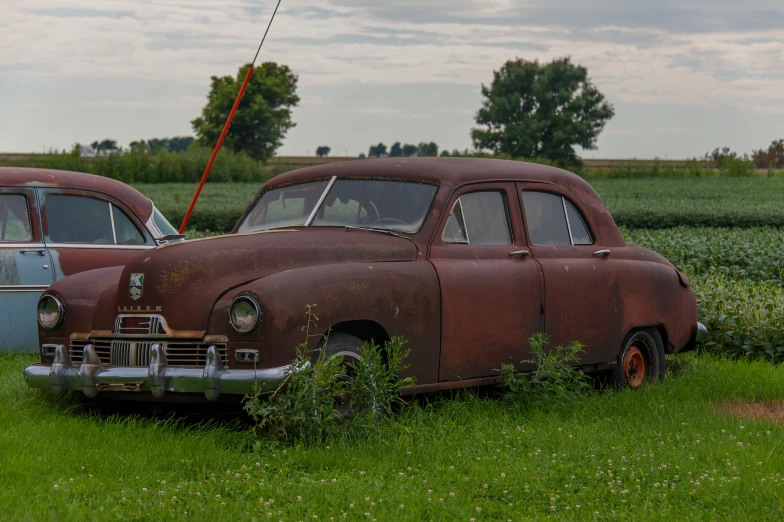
(659, 453)
(648, 203)
(675, 455)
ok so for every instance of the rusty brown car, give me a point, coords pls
(54, 224)
(464, 258)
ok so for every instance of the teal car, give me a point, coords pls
(54, 224)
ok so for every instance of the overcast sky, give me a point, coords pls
(685, 76)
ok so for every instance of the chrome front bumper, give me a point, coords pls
(158, 378)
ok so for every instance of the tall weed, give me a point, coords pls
(555, 379)
(308, 404)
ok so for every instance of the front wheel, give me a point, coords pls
(640, 361)
(349, 349)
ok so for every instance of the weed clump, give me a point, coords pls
(324, 397)
(554, 380)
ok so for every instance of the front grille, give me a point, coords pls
(102, 347)
(137, 353)
(130, 353)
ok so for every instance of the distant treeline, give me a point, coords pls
(154, 163)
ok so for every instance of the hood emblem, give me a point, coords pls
(137, 281)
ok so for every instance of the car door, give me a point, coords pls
(86, 230)
(491, 292)
(580, 287)
(25, 268)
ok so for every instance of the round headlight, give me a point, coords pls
(51, 312)
(245, 313)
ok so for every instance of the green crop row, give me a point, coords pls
(634, 203)
(738, 278)
(739, 253)
(707, 202)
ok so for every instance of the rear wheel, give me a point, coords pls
(640, 361)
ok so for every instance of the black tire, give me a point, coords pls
(640, 360)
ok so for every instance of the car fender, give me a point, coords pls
(403, 298)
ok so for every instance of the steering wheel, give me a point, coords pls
(373, 208)
(388, 220)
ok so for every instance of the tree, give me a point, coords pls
(427, 149)
(104, 145)
(772, 158)
(534, 110)
(410, 150)
(180, 143)
(323, 151)
(377, 151)
(396, 150)
(263, 117)
(154, 145)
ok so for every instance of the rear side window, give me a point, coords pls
(14, 218)
(552, 220)
(478, 218)
(580, 234)
(81, 219)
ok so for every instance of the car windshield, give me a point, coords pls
(379, 204)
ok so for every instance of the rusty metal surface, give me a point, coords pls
(30, 177)
(464, 309)
(491, 302)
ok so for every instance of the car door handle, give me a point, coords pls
(521, 253)
(40, 252)
(605, 253)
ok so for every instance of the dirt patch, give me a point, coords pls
(769, 411)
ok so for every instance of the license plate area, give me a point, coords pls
(134, 386)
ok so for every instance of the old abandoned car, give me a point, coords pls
(464, 258)
(54, 224)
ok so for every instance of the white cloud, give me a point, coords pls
(636, 55)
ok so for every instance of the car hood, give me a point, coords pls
(184, 280)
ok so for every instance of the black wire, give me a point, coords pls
(265, 33)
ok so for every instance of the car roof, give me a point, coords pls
(459, 171)
(453, 171)
(34, 177)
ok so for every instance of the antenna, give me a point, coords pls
(228, 124)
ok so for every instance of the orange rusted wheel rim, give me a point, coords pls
(633, 367)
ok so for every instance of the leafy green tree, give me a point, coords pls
(104, 145)
(323, 151)
(263, 117)
(427, 149)
(180, 143)
(410, 150)
(395, 151)
(772, 158)
(377, 151)
(154, 145)
(534, 110)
